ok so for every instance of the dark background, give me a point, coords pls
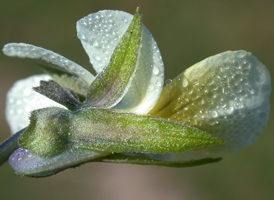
(186, 32)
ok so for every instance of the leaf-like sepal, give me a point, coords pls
(126, 159)
(57, 93)
(107, 130)
(47, 133)
(111, 84)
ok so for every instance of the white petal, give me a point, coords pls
(100, 33)
(240, 112)
(30, 51)
(226, 95)
(21, 100)
(147, 84)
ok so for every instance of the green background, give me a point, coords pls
(186, 32)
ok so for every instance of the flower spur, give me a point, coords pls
(122, 115)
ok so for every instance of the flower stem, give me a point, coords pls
(9, 146)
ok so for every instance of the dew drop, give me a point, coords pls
(109, 14)
(156, 70)
(27, 92)
(97, 57)
(151, 87)
(93, 42)
(81, 36)
(81, 71)
(158, 83)
(70, 66)
(8, 50)
(105, 51)
(125, 20)
(110, 21)
(213, 114)
(168, 82)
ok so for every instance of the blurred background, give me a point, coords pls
(186, 32)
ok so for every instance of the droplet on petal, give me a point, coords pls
(18, 112)
(93, 33)
(141, 96)
(226, 95)
(23, 50)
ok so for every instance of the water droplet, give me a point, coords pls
(97, 57)
(156, 70)
(110, 21)
(105, 51)
(81, 36)
(109, 14)
(84, 23)
(70, 66)
(151, 87)
(168, 82)
(125, 20)
(18, 102)
(27, 92)
(93, 42)
(81, 71)
(8, 50)
(158, 83)
(213, 114)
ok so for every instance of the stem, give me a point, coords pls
(9, 146)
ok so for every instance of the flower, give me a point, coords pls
(125, 114)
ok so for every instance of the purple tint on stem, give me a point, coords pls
(9, 146)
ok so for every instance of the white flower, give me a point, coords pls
(226, 95)
(99, 33)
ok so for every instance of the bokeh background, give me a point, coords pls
(186, 32)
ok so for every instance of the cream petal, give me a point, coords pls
(147, 84)
(23, 50)
(226, 95)
(100, 33)
(21, 100)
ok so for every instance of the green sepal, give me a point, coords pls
(127, 159)
(73, 83)
(57, 93)
(66, 79)
(52, 130)
(47, 133)
(107, 130)
(111, 84)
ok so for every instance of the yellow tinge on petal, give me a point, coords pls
(226, 95)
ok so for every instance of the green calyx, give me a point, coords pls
(53, 130)
(137, 160)
(111, 84)
(106, 130)
(47, 133)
